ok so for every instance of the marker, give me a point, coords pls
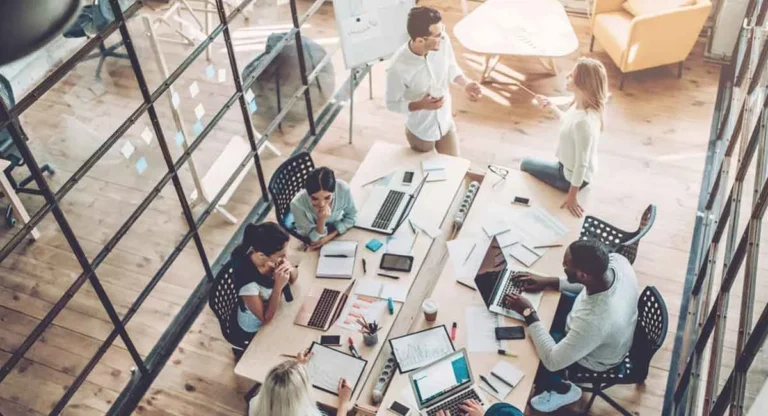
(364, 267)
(388, 275)
(352, 348)
(504, 352)
(391, 305)
(453, 332)
(482, 377)
(336, 256)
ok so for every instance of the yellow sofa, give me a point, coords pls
(640, 34)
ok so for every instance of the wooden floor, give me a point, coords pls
(651, 152)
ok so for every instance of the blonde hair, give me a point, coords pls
(286, 391)
(589, 76)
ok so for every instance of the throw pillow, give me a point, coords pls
(643, 7)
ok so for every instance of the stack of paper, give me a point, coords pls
(381, 290)
(435, 168)
(337, 259)
(466, 255)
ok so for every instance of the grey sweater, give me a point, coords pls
(599, 328)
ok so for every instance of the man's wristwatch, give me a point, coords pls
(529, 314)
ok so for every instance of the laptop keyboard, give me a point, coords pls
(323, 308)
(388, 209)
(513, 285)
(452, 405)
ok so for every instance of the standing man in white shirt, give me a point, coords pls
(417, 84)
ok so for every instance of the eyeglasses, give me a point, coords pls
(500, 172)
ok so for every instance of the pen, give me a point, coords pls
(364, 267)
(352, 348)
(411, 224)
(502, 380)
(482, 377)
(288, 355)
(549, 246)
(470, 253)
(504, 352)
(388, 275)
(453, 332)
(336, 256)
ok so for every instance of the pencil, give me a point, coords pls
(526, 89)
(470, 253)
(288, 355)
(549, 246)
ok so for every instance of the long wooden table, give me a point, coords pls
(453, 298)
(281, 336)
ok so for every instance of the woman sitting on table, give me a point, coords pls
(261, 271)
(473, 408)
(580, 128)
(324, 209)
(287, 391)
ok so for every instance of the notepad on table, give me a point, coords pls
(435, 168)
(381, 290)
(504, 376)
(337, 260)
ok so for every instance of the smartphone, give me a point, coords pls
(510, 332)
(399, 408)
(408, 178)
(521, 201)
(396, 262)
(333, 340)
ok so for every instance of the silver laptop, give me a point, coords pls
(386, 209)
(444, 385)
(495, 279)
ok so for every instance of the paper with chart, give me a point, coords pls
(327, 365)
(357, 307)
(416, 350)
(481, 329)
(381, 290)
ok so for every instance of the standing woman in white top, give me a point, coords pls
(580, 128)
(287, 391)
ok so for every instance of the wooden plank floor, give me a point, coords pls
(652, 152)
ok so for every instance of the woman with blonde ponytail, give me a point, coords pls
(580, 128)
(287, 391)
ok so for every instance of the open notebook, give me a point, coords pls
(337, 260)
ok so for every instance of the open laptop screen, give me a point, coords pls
(441, 377)
(490, 271)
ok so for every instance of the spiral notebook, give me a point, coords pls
(337, 260)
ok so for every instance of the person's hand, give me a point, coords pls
(473, 90)
(516, 302)
(281, 276)
(323, 214)
(345, 391)
(443, 413)
(572, 203)
(542, 101)
(283, 267)
(472, 408)
(533, 282)
(427, 103)
(304, 356)
(321, 242)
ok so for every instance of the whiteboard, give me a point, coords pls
(371, 30)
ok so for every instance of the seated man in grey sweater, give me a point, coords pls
(594, 323)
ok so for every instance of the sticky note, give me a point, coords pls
(210, 71)
(127, 149)
(252, 107)
(175, 99)
(147, 135)
(249, 95)
(199, 111)
(222, 75)
(179, 138)
(194, 89)
(198, 128)
(141, 165)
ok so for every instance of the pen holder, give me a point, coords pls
(382, 383)
(371, 339)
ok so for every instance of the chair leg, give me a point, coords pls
(621, 81)
(589, 404)
(680, 69)
(592, 43)
(613, 404)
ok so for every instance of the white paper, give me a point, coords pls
(329, 266)
(537, 227)
(381, 290)
(507, 238)
(402, 241)
(222, 75)
(327, 365)
(481, 329)
(465, 259)
(175, 99)
(503, 389)
(494, 225)
(419, 349)
(433, 231)
(508, 372)
(199, 111)
(194, 89)
(127, 149)
(249, 95)
(523, 254)
(361, 306)
(147, 135)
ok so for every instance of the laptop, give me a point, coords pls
(322, 307)
(444, 385)
(495, 279)
(386, 209)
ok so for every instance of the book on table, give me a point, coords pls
(337, 260)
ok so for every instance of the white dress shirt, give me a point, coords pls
(410, 77)
(577, 147)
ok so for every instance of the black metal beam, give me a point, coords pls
(302, 64)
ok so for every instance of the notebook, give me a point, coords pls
(381, 290)
(504, 376)
(337, 260)
(435, 168)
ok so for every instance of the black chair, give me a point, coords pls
(287, 181)
(650, 331)
(618, 240)
(10, 152)
(92, 19)
(224, 302)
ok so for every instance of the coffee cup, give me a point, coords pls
(430, 310)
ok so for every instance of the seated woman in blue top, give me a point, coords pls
(261, 271)
(324, 209)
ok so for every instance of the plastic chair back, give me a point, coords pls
(650, 331)
(617, 240)
(223, 301)
(287, 181)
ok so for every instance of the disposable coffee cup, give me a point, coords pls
(430, 310)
